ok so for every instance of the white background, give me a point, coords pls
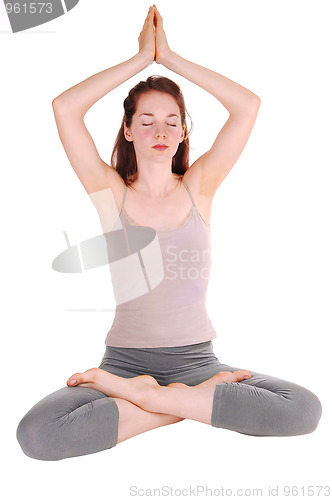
(270, 292)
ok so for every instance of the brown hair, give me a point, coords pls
(123, 156)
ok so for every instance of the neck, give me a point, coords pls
(155, 181)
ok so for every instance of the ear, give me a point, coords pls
(127, 133)
(182, 136)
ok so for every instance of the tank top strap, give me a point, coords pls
(189, 192)
(185, 184)
(123, 198)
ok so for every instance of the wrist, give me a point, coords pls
(168, 59)
(144, 59)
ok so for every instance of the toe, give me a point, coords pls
(241, 375)
(246, 373)
(75, 379)
(82, 378)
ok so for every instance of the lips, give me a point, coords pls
(160, 147)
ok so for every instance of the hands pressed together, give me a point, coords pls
(152, 39)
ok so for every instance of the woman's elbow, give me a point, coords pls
(256, 102)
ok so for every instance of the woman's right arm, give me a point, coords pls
(71, 106)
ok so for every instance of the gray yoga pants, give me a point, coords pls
(76, 421)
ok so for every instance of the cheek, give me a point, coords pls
(176, 135)
(146, 133)
(143, 135)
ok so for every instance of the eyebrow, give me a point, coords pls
(151, 114)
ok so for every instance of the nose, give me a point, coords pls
(160, 131)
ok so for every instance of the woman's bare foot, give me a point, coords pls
(135, 389)
(219, 378)
(193, 402)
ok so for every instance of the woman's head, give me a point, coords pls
(165, 123)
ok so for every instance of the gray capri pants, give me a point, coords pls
(76, 421)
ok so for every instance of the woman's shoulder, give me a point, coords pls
(108, 191)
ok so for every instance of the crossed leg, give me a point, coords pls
(254, 404)
(159, 405)
(83, 417)
(133, 420)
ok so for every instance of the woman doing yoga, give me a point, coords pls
(159, 366)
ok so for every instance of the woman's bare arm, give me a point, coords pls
(71, 106)
(242, 104)
(79, 98)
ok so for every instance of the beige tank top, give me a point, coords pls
(173, 311)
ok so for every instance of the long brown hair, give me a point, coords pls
(123, 158)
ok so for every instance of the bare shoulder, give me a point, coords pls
(105, 190)
(107, 179)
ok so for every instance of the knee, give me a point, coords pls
(42, 434)
(68, 423)
(30, 437)
(27, 436)
(308, 411)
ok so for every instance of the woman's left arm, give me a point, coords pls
(242, 105)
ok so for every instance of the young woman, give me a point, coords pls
(159, 366)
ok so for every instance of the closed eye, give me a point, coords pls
(148, 124)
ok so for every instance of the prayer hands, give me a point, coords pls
(162, 49)
(152, 39)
